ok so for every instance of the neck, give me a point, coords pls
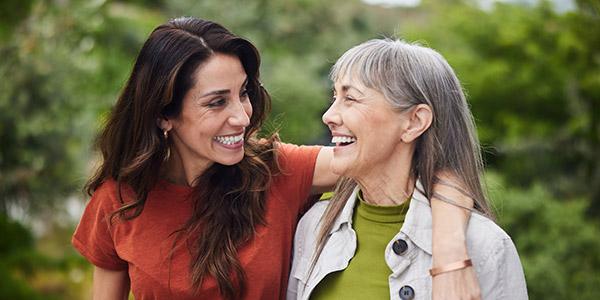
(391, 184)
(386, 192)
(175, 171)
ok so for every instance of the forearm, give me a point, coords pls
(449, 244)
(449, 224)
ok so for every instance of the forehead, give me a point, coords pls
(347, 82)
(220, 70)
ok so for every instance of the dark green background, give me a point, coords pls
(531, 72)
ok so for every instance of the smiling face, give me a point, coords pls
(215, 113)
(367, 131)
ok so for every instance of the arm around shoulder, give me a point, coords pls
(323, 178)
(449, 243)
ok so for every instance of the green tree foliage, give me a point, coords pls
(13, 12)
(26, 273)
(532, 75)
(557, 245)
(59, 80)
(533, 80)
(16, 244)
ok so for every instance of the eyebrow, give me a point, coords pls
(217, 92)
(347, 87)
(222, 92)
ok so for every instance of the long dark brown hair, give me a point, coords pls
(231, 201)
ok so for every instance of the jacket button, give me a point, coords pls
(407, 293)
(400, 247)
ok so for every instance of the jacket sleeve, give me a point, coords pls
(501, 275)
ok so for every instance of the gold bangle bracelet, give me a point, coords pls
(451, 267)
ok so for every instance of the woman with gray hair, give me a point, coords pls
(398, 117)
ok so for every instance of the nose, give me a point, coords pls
(241, 113)
(332, 116)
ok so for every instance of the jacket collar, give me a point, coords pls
(418, 224)
(347, 211)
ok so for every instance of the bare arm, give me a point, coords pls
(323, 179)
(109, 285)
(449, 244)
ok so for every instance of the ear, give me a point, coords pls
(164, 123)
(419, 120)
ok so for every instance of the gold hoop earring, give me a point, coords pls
(166, 135)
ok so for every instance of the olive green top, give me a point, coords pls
(366, 276)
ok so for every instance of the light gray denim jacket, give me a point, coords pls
(492, 251)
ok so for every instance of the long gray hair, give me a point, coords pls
(409, 75)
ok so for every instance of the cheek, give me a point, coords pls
(248, 109)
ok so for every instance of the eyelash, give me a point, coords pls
(333, 98)
(218, 103)
(245, 94)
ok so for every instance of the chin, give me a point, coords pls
(232, 161)
(338, 169)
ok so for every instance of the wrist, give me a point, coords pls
(449, 248)
(457, 265)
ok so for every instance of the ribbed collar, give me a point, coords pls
(418, 225)
(381, 213)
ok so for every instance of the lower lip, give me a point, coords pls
(340, 148)
(237, 145)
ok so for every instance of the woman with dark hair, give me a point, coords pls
(188, 202)
(374, 236)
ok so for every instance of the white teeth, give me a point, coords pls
(342, 139)
(229, 140)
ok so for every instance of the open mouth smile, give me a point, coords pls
(341, 141)
(229, 140)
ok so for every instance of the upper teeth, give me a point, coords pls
(342, 139)
(229, 140)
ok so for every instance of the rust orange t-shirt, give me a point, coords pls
(142, 245)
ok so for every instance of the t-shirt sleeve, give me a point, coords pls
(93, 238)
(298, 167)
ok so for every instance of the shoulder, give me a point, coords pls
(109, 185)
(313, 215)
(298, 164)
(107, 195)
(488, 244)
(495, 259)
(308, 226)
(291, 151)
(307, 231)
(483, 231)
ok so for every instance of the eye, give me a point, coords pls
(217, 102)
(245, 94)
(349, 98)
(332, 99)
